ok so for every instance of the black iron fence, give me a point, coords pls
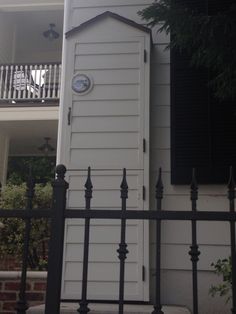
(58, 213)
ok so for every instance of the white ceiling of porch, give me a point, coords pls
(23, 5)
(26, 136)
(31, 26)
(28, 41)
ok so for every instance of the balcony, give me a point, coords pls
(37, 83)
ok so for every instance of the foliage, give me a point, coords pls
(223, 268)
(42, 169)
(12, 233)
(207, 37)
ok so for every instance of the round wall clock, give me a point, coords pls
(81, 83)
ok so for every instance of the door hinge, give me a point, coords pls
(144, 193)
(69, 116)
(143, 273)
(145, 55)
(144, 145)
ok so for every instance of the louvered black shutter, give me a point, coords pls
(203, 130)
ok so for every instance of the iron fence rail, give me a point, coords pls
(59, 213)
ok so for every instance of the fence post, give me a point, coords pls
(53, 293)
(231, 197)
(159, 197)
(194, 252)
(83, 309)
(122, 246)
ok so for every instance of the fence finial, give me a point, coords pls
(231, 184)
(60, 171)
(159, 186)
(194, 186)
(124, 186)
(88, 186)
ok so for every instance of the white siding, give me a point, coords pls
(107, 128)
(6, 38)
(85, 10)
(176, 236)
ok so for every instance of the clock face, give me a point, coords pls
(81, 83)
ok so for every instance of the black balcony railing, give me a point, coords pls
(59, 213)
(27, 82)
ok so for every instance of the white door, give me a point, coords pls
(106, 132)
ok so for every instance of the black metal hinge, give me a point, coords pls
(144, 193)
(144, 145)
(145, 55)
(69, 116)
(143, 273)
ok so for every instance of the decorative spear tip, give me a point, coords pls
(159, 180)
(124, 184)
(88, 185)
(159, 185)
(231, 183)
(60, 171)
(194, 185)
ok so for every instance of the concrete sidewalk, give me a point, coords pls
(71, 308)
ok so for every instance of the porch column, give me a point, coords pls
(4, 151)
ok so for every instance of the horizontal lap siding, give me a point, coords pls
(107, 129)
(85, 10)
(176, 236)
(214, 196)
(97, 138)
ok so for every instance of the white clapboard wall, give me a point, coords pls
(106, 131)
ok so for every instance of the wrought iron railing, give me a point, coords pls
(59, 213)
(30, 82)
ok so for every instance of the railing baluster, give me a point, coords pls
(122, 246)
(83, 309)
(159, 196)
(59, 82)
(53, 293)
(26, 81)
(231, 197)
(14, 81)
(35, 77)
(30, 81)
(22, 305)
(194, 252)
(44, 85)
(54, 80)
(1, 81)
(49, 79)
(20, 91)
(5, 83)
(40, 80)
(10, 83)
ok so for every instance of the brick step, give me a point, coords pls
(71, 308)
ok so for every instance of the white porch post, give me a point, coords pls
(4, 151)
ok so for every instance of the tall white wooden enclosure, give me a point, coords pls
(107, 128)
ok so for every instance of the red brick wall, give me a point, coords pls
(9, 289)
(9, 263)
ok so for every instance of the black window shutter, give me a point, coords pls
(203, 129)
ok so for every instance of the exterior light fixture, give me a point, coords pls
(46, 148)
(51, 34)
